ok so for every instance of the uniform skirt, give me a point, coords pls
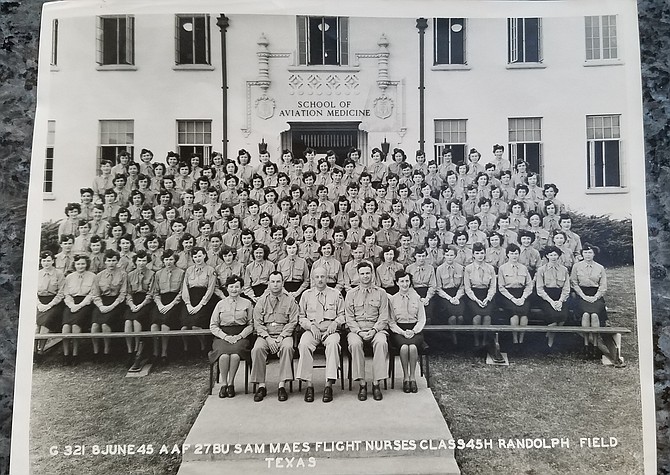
(82, 318)
(475, 309)
(222, 347)
(597, 307)
(510, 307)
(171, 318)
(143, 316)
(111, 318)
(51, 318)
(292, 286)
(200, 318)
(391, 290)
(549, 315)
(259, 289)
(399, 340)
(448, 309)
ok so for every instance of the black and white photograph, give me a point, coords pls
(381, 238)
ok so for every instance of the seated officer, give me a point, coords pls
(367, 316)
(321, 312)
(275, 318)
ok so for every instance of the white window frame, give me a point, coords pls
(455, 134)
(189, 137)
(49, 157)
(304, 41)
(602, 129)
(522, 132)
(438, 33)
(116, 134)
(127, 32)
(516, 43)
(194, 44)
(601, 48)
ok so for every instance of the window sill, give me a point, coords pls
(526, 66)
(321, 68)
(193, 67)
(48, 196)
(54, 68)
(603, 62)
(116, 67)
(607, 191)
(450, 67)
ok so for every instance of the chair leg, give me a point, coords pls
(427, 370)
(341, 369)
(421, 364)
(247, 371)
(211, 378)
(392, 370)
(349, 374)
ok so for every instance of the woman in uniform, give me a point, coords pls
(231, 324)
(479, 279)
(553, 287)
(139, 300)
(197, 292)
(589, 282)
(109, 296)
(515, 286)
(166, 291)
(50, 298)
(449, 287)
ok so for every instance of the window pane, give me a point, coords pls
(200, 39)
(186, 40)
(532, 40)
(315, 40)
(612, 169)
(441, 41)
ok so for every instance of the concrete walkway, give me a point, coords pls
(403, 433)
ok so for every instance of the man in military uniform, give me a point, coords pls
(367, 317)
(321, 312)
(275, 318)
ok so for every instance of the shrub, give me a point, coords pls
(613, 237)
(49, 239)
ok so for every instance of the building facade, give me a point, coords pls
(551, 90)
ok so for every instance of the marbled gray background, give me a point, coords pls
(19, 30)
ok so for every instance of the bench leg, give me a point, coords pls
(612, 343)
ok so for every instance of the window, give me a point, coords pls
(450, 133)
(524, 40)
(54, 43)
(323, 41)
(116, 39)
(192, 39)
(49, 163)
(116, 136)
(449, 41)
(194, 136)
(603, 150)
(525, 143)
(601, 41)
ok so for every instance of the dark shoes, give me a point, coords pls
(223, 392)
(328, 394)
(406, 387)
(363, 393)
(282, 395)
(231, 391)
(260, 394)
(309, 394)
(413, 387)
(376, 392)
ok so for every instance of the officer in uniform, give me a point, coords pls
(367, 317)
(321, 312)
(275, 318)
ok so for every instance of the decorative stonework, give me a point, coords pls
(324, 84)
(383, 107)
(265, 107)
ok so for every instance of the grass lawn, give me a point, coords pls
(543, 393)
